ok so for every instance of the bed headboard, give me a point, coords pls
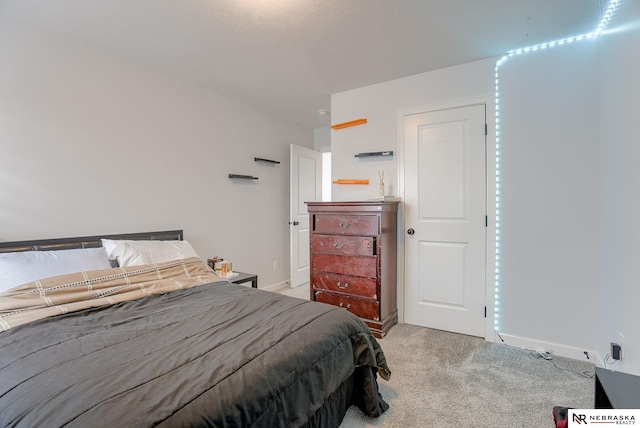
(86, 241)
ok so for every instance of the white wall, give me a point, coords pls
(322, 139)
(570, 194)
(551, 196)
(620, 152)
(91, 143)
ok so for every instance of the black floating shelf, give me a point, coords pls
(371, 154)
(265, 160)
(248, 177)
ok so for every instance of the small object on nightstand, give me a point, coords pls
(223, 268)
(212, 262)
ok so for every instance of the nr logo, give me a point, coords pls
(580, 419)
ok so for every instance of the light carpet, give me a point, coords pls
(442, 379)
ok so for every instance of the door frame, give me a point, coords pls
(490, 199)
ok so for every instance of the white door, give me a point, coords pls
(445, 219)
(305, 186)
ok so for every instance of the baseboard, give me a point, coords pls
(554, 348)
(277, 286)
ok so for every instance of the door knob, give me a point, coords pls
(410, 231)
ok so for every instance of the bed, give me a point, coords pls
(171, 344)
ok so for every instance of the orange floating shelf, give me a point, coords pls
(350, 181)
(348, 124)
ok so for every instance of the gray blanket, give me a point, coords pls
(213, 355)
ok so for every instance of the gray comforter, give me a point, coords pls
(213, 355)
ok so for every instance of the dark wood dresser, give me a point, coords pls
(353, 259)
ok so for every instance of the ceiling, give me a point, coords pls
(289, 56)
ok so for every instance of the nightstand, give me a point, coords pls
(616, 390)
(245, 277)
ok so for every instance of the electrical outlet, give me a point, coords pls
(616, 351)
(276, 264)
(621, 344)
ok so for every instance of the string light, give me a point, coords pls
(597, 32)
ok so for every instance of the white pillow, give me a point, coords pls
(113, 247)
(26, 266)
(136, 253)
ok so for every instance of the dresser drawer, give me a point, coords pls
(362, 308)
(348, 245)
(353, 285)
(345, 265)
(345, 224)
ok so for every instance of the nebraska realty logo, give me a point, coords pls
(599, 417)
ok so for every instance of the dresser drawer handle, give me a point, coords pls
(338, 246)
(344, 225)
(346, 307)
(343, 286)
